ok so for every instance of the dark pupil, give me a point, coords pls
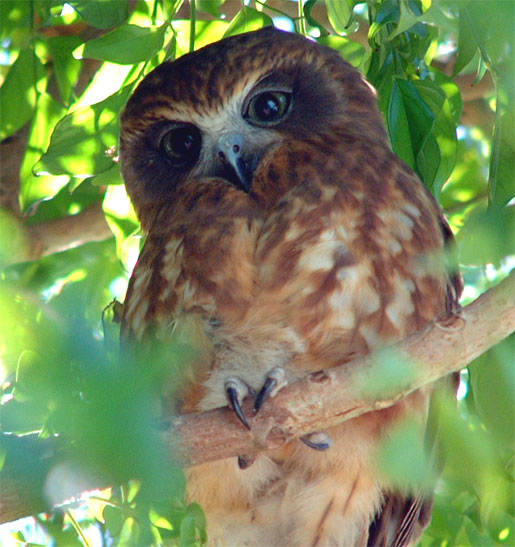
(267, 107)
(181, 143)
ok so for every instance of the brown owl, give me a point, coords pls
(283, 237)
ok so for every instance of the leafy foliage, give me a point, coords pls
(67, 70)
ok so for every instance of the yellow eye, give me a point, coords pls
(181, 145)
(268, 108)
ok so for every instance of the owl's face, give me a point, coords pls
(218, 112)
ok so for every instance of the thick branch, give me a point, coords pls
(327, 398)
(316, 402)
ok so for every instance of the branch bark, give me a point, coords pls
(316, 402)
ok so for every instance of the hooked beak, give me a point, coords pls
(238, 167)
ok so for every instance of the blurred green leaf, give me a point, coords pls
(125, 45)
(351, 51)
(493, 387)
(487, 237)
(81, 142)
(403, 460)
(101, 13)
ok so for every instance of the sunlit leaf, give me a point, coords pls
(125, 45)
(34, 188)
(351, 51)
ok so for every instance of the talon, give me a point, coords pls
(236, 391)
(275, 381)
(318, 441)
(245, 461)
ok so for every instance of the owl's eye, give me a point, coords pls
(181, 145)
(268, 108)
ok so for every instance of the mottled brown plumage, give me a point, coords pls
(291, 236)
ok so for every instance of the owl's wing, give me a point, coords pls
(402, 520)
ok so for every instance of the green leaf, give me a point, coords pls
(125, 45)
(101, 13)
(437, 157)
(351, 51)
(66, 68)
(247, 19)
(389, 12)
(210, 6)
(339, 13)
(18, 92)
(81, 142)
(410, 121)
(467, 45)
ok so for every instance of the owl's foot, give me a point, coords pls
(236, 390)
(317, 440)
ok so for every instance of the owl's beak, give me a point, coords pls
(238, 166)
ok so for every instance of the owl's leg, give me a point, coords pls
(275, 381)
(236, 390)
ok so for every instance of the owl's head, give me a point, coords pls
(218, 112)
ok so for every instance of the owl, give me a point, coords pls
(283, 236)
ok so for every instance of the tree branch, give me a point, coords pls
(316, 402)
(327, 398)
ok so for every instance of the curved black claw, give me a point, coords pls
(275, 381)
(318, 441)
(234, 402)
(263, 395)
